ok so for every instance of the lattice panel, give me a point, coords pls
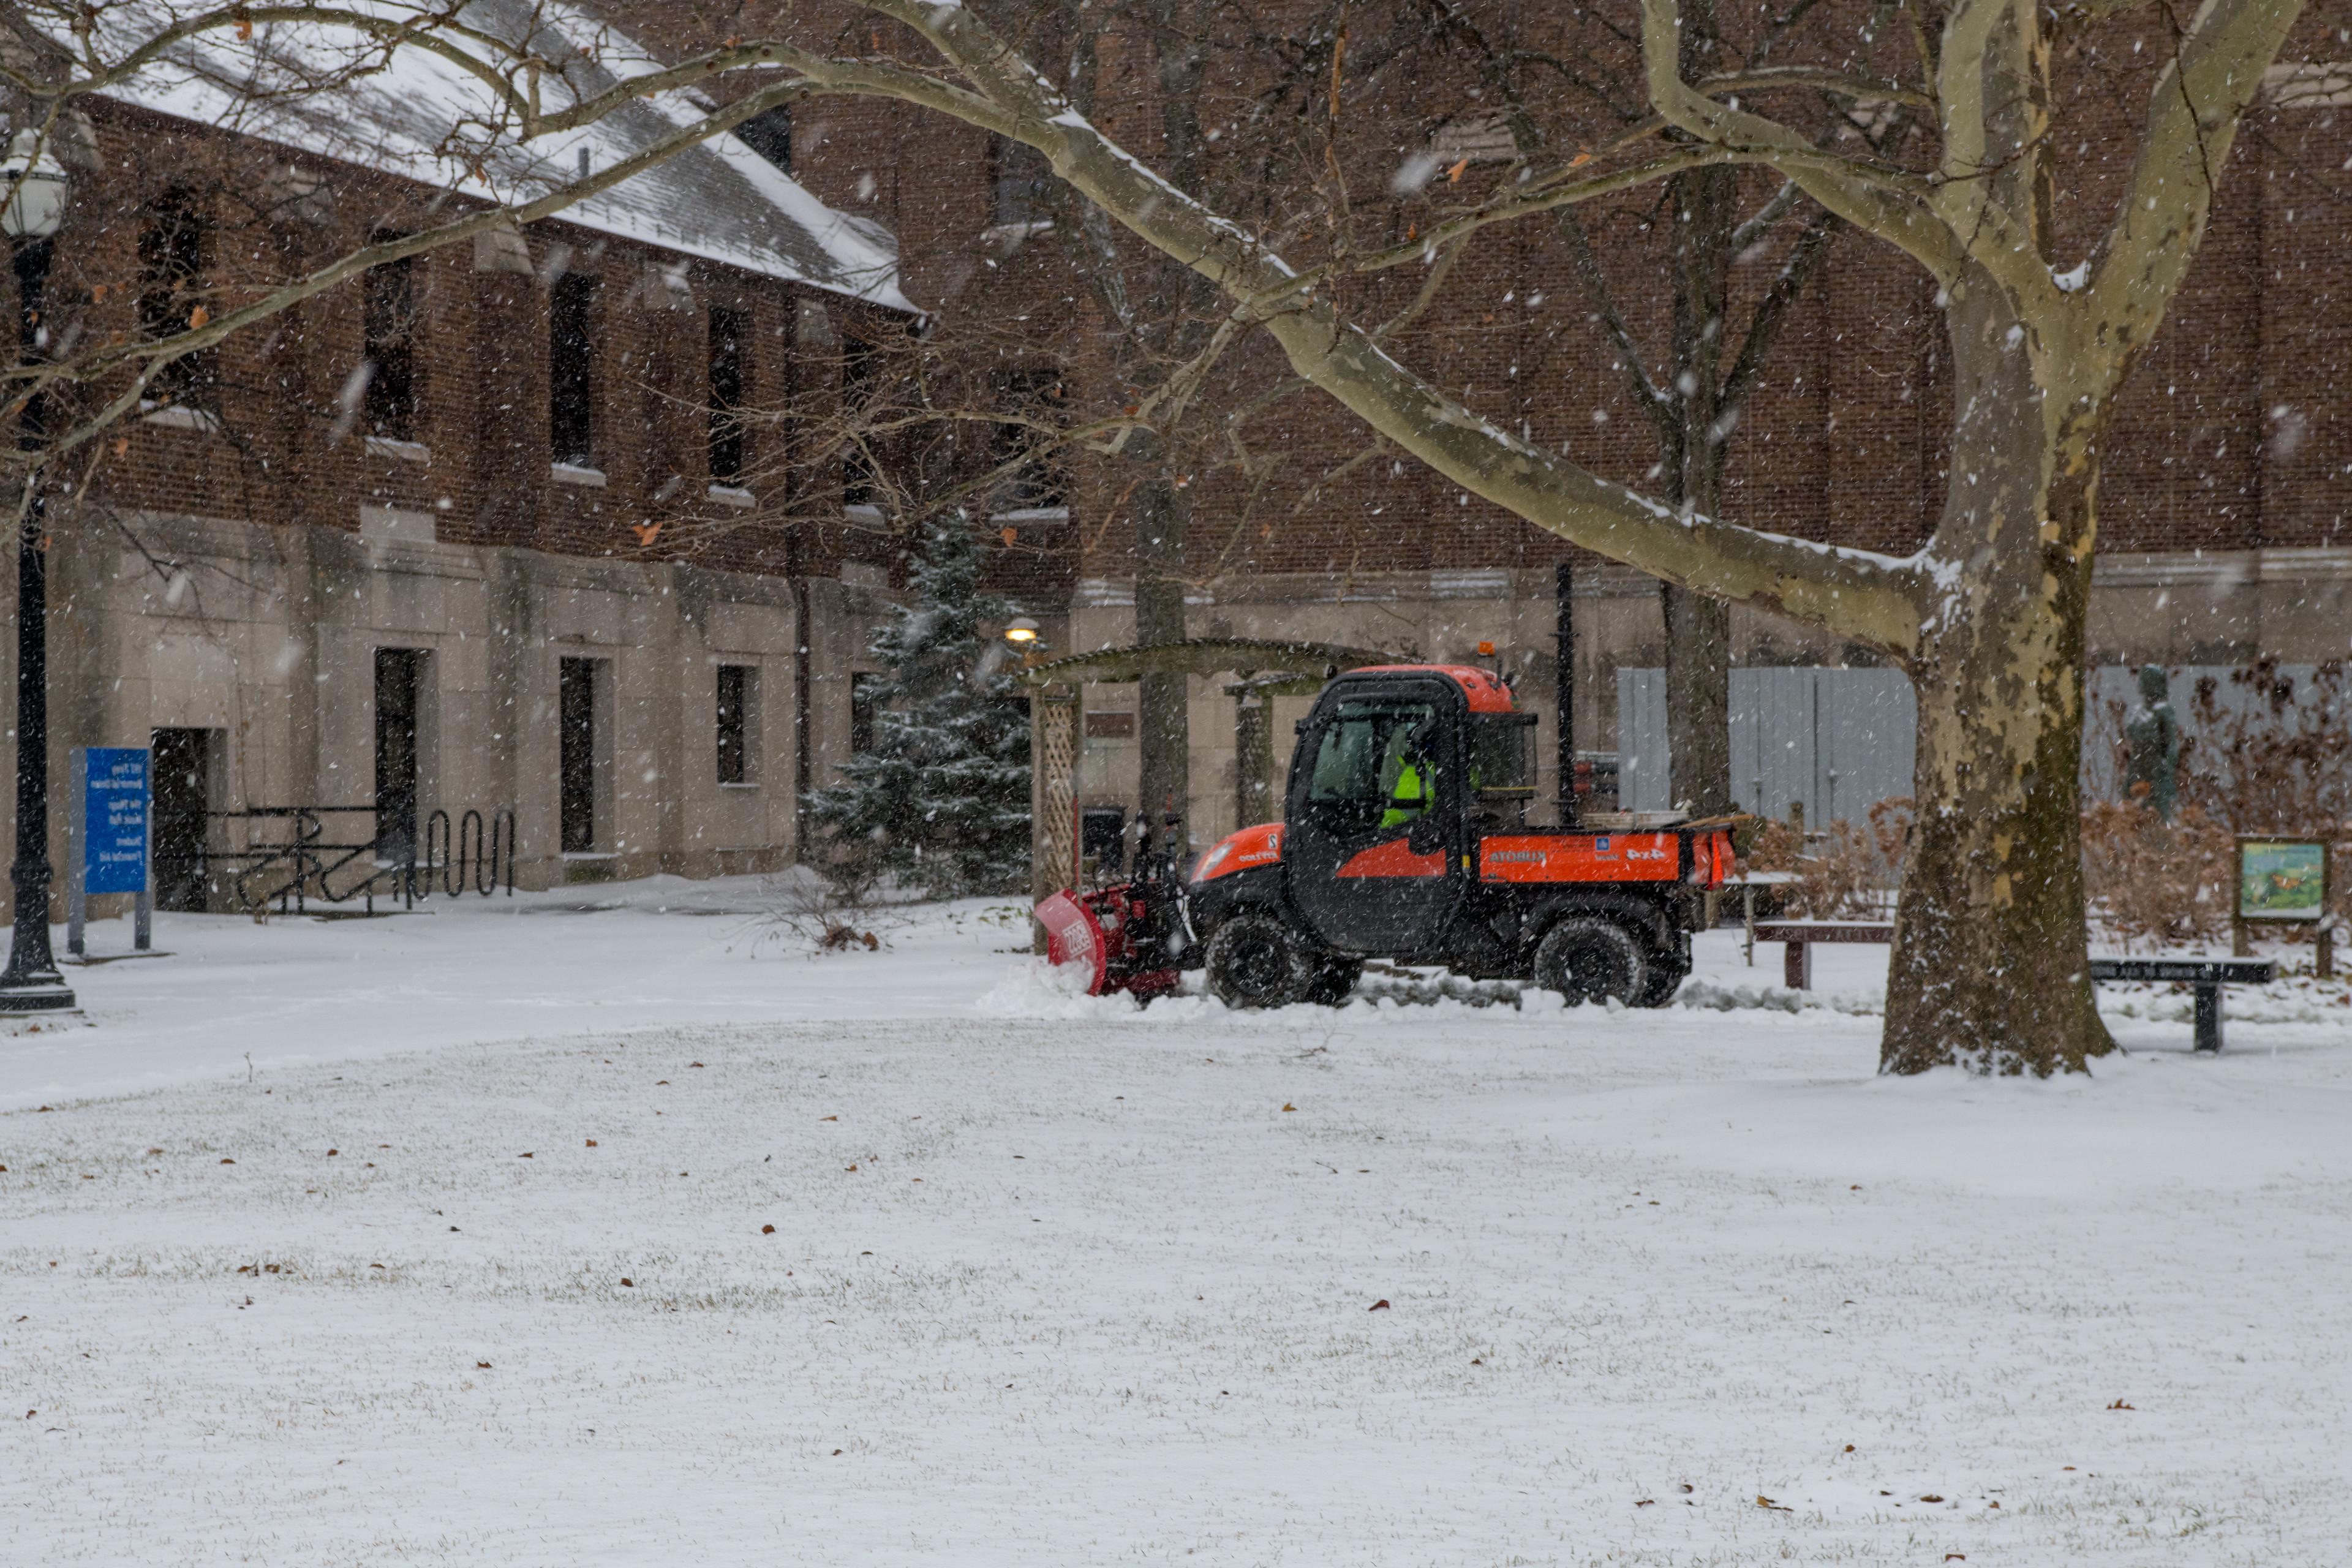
(1054, 798)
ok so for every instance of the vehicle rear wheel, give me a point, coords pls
(1257, 961)
(1335, 980)
(1588, 959)
(1665, 979)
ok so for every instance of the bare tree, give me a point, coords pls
(1988, 967)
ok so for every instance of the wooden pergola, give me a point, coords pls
(1264, 669)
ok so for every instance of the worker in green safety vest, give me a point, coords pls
(1409, 793)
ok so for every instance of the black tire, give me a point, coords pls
(1257, 961)
(1588, 959)
(1665, 979)
(1335, 980)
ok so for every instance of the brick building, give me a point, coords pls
(477, 528)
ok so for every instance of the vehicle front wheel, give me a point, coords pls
(1588, 959)
(1257, 961)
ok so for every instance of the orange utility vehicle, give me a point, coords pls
(1403, 838)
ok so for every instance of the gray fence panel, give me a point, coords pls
(1844, 739)
(1869, 732)
(1838, 740)
(1643, 780)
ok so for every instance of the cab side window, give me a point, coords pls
(1375, 766)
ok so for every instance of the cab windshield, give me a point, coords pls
(1375, 765)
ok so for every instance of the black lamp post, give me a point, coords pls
(37, 189)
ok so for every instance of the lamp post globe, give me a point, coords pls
(35, 184)
(34, 187)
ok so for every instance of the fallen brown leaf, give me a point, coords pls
(229, 1162)
(524, 1155)
(767, 1230)
(629, 1282)
(592, 1143)
(1380, 1306)
(1287, 1106)
(483, 1364)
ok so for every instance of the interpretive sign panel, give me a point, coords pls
(2281, 880)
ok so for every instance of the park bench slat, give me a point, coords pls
(2206, 975)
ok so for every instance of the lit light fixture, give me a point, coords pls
(37, 183)
(1020, 631)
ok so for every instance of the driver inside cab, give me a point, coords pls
(1409, 772)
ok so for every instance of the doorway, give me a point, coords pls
(399, 684)
(181, 763)
(576, 754)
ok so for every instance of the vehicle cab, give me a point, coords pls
(1403, 837)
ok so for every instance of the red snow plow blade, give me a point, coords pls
(1097, 930)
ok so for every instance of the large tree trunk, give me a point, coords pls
(1698, 700)
(1705, 208)
(1990, 967)
(1163, 736)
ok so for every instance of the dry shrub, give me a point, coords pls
(1847, 872)
(2157, 882)
(2274, 761)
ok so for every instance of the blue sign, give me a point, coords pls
(114, 815)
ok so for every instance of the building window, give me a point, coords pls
(864, 701)
(391, 347)
(738, 690)
(729, 330)
(769, 134)
(1019, 178)
(173, 249)
(399, 707)
(572, 371)
(1030, 474)
(575, 761)
(861, 375)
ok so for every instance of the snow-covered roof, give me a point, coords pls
(424, 118)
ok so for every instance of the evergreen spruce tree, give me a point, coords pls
(941, 801)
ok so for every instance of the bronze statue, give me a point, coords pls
(2152, 733)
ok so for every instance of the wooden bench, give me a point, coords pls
(2205, 976)
(1797, 960)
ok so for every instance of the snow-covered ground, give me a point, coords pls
(472, 1263)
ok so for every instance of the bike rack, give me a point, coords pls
(475, 853)
(486, 848)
